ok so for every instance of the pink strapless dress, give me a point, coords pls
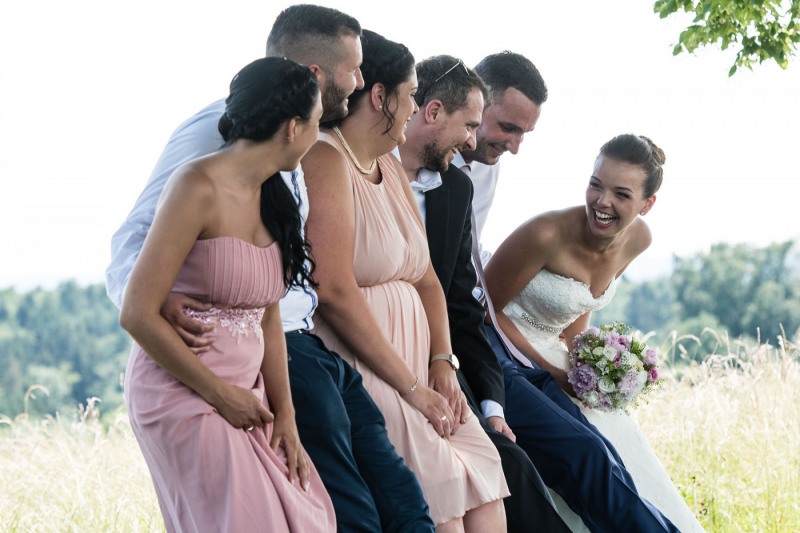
(208, 475)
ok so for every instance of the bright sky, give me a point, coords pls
(90, 90)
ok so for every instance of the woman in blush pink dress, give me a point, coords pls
(380, 303)
(217, 429)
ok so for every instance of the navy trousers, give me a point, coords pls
(571, 455)
(345, 435)
(529, 507)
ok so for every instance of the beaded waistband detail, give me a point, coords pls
(529, 319)
(239, 322)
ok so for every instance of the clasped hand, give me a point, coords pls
(243, 409)
(442, 401)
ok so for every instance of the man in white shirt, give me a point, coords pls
(340, 426)
(516, 94)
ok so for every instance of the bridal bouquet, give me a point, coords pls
(611, 368)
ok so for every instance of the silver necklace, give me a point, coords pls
(352, 155)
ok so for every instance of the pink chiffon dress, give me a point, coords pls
(391, 253)
(209, 475)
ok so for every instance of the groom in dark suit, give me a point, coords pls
(559, 441)
(444, 193)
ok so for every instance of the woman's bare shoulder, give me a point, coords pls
(551, 228)
(323, 160)
(641, 237)
(192, 183)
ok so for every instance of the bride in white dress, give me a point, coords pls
(554, 270)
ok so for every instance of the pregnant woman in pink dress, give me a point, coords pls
(217, 429)
(381, 305)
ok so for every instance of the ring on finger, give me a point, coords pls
(443, 418)
(250, 428)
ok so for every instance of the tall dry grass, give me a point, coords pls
(728, 431)
(76, 475)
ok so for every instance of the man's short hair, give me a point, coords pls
(310, 34)
(507, 69)
(447, 79)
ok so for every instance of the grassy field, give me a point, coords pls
(74, 476)
(728, 431)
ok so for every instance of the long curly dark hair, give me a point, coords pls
(385, 62)
(263, 96)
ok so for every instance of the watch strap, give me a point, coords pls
(444, 357)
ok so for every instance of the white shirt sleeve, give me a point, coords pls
(492, 408)
(196, 137)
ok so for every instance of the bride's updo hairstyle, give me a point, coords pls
(385, 62)
(263, 96)
(641, 151)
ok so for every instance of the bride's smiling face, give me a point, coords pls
(615, 196)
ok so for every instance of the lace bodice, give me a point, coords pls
(548, 304)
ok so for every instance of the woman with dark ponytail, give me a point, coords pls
(217, 428)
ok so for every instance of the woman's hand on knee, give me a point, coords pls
(242, 409)
(435, 408)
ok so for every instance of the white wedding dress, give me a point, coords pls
(547, 305)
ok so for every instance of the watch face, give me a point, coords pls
(450, 358)
(454, 361)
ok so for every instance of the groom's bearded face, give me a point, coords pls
(434, 157)
(454, 133)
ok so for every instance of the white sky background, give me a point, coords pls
(90, 91)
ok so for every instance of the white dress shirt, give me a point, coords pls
(426, 180)
(194, 138)
(484, 180)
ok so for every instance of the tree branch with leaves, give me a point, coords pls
(759, 29)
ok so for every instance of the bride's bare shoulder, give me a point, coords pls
(544, 232)
(641, 237)
(551, 227)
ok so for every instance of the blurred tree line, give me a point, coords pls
(711, 299)
(68, 340)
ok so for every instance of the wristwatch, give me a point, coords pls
(450, 358)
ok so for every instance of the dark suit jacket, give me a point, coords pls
(448, 213)
(448, 222)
